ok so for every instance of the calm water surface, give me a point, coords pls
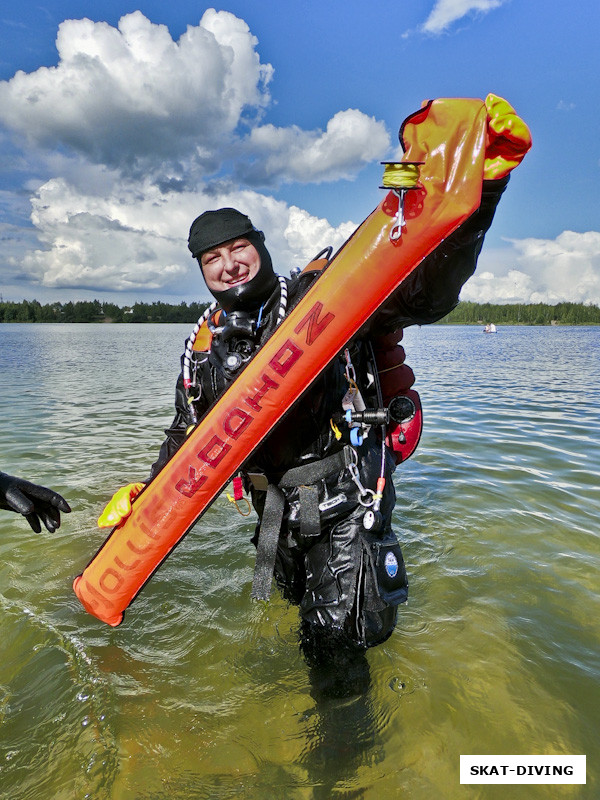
(201, 693)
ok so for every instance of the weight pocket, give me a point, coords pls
(392, 582)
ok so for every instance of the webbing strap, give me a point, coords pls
(307, 474)
(266, 549)
(310, 519)
(310, 522)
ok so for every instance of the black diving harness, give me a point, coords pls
(305, 477)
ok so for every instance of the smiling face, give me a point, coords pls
(230, 264)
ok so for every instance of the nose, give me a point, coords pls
(229, 262)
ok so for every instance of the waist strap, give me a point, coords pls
(304, 477)
(306, 474)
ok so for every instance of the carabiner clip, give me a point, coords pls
(350, 371)
(368, 493)
(400, 221)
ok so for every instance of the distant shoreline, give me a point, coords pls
(466, 313)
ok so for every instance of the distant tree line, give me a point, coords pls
(95, 311)
(523, 314)
(464, 314)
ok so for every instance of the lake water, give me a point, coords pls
(201, 692)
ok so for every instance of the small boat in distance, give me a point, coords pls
(490, 328)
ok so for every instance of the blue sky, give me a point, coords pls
(121, 121)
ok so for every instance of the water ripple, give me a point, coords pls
(55, 713)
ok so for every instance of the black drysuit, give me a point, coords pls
(347, 580)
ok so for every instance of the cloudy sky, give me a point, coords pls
(121, 121)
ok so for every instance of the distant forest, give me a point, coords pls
(523, 314)
(464, 314)
(95, 311)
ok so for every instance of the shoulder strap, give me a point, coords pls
(203, 339)
(315, 266)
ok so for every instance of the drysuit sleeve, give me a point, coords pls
(432, 290)
(179, 427)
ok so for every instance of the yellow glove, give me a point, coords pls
(509, 138)
(119, 506)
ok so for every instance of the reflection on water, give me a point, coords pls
(202, 693)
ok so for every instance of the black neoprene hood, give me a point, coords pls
(215, 227)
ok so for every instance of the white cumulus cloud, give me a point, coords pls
(292, 154)
(565, 269)
(133, 99)
(131, 96)
(134, 237)
(138, 133)
(445, 12)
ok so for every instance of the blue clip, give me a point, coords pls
(356, 437)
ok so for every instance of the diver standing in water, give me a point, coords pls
(321, 483)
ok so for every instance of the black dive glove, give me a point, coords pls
(35, 503)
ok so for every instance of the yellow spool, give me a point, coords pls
(400, 174)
